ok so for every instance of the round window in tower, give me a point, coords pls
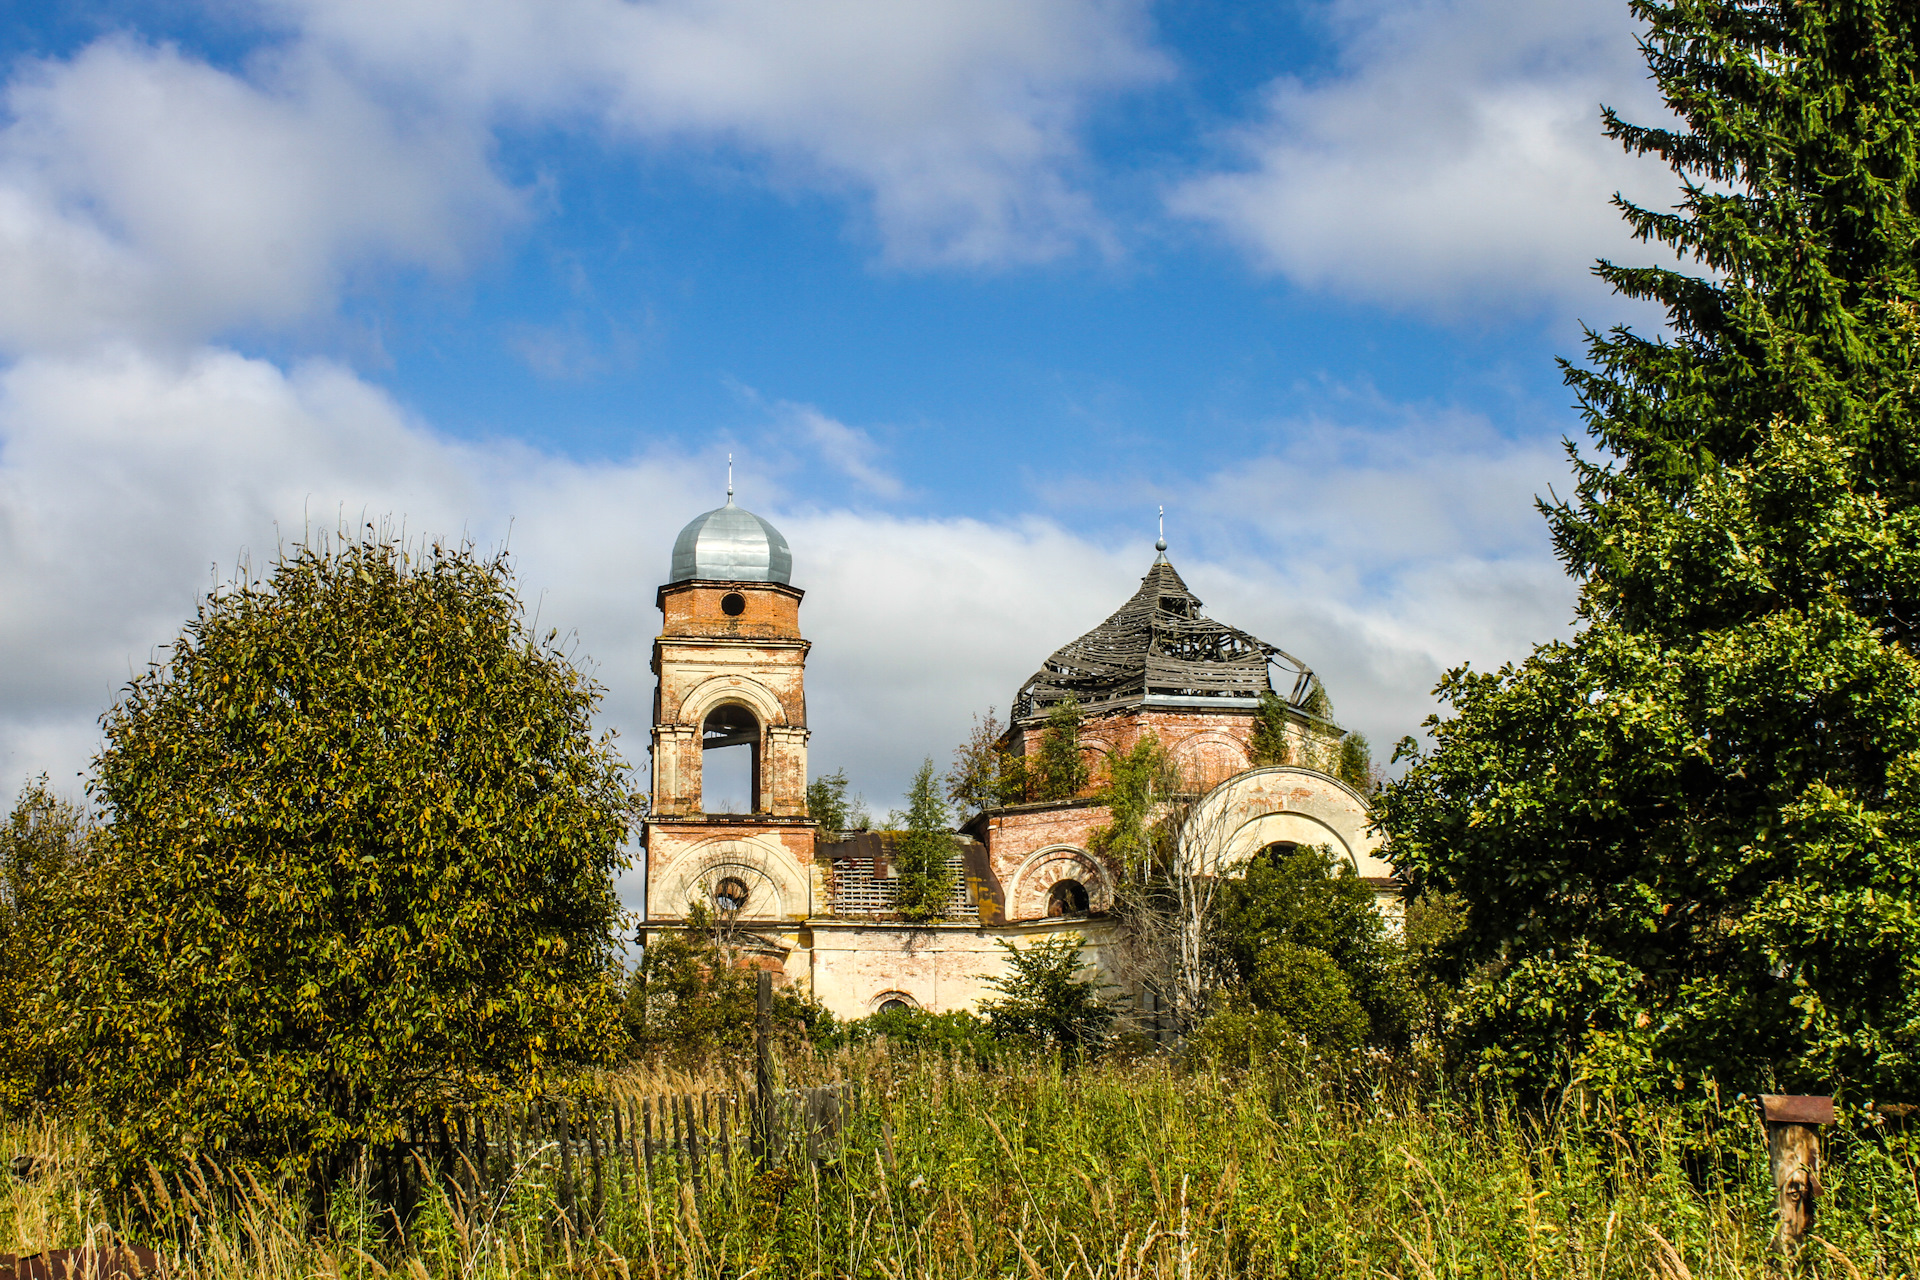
(733, 604)
(730, 895)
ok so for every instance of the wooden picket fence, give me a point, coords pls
(576, 1147)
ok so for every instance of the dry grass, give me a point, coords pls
(1115, 1173)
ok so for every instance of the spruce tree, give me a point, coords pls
(1686, 838)
(923, 850)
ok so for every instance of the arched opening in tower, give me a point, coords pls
(730, 761)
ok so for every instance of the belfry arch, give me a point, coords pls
(730, 664)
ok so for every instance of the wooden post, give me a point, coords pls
(763, 1069)
(599, 1176)
(1793, 1152)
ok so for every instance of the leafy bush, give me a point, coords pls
(357, 859)
(956, 1034)
(1298, 937)
(1046, 1002)
(44, 856)
(692, 1003)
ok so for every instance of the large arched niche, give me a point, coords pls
(777, 887)
(708, 696)
(1281, 804)
(1209, 756)
(1029, 887)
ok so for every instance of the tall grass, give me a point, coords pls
(1108, 1173)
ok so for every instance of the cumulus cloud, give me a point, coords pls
(146, 195)
(129, 482)
(1454, 161)
(957, 120)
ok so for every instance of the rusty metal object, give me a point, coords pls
(1793, 1153)
(1158, 649)
(112, 1262)
(29, 1168)
(1797, 1108)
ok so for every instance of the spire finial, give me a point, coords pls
(1161, 544)
(729, 479)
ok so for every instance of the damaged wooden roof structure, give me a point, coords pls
(1159, 649)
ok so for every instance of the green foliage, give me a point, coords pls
(691, 1004)
(828, 805)
(922, 851)
(985, 774)
(44, 851)
(1338, 1170)
(1299, 938)
(358, 858)
(1297, 999)
(1047, 1002)
(1353, 764)
(955, 1034)
(1139, 782)
(1059, 772)
(1271, 741)
(1705, 807)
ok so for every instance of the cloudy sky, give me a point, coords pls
(969, 287)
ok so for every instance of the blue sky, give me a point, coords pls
(969, 288)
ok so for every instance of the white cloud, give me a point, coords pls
(957, 119)
(128, 482)
(1454, 161)
(147, 195)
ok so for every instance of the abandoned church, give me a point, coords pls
(823, 910)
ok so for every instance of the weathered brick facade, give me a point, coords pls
(730, 662)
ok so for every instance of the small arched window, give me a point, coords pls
(730, 895)
(892, 1006)
(1067, 898)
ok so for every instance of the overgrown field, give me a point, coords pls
(1111, 1171)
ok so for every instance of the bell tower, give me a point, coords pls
(731, 668)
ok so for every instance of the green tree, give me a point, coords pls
(828, 805)
(922, 852)
(1271, 742)
(44, 892)
(359, 841)
(1060, 773)
(692, 1001)
(1046, 1001)
(1140, 781)
(1297, 915)
(985, 775)
(1353, 763)
(1689, 833)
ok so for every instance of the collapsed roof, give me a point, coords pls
(1159, 649)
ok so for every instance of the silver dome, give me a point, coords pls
(730, 544)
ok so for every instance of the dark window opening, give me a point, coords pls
(730, 895)
(1068, 898)
(730, 761)
(1278, 852)
(890, 1006)
(733, 604)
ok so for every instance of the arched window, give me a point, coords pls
(1067, 898)
(730, 895)
(1278, 852)
(730, 761)
(890, 1006)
